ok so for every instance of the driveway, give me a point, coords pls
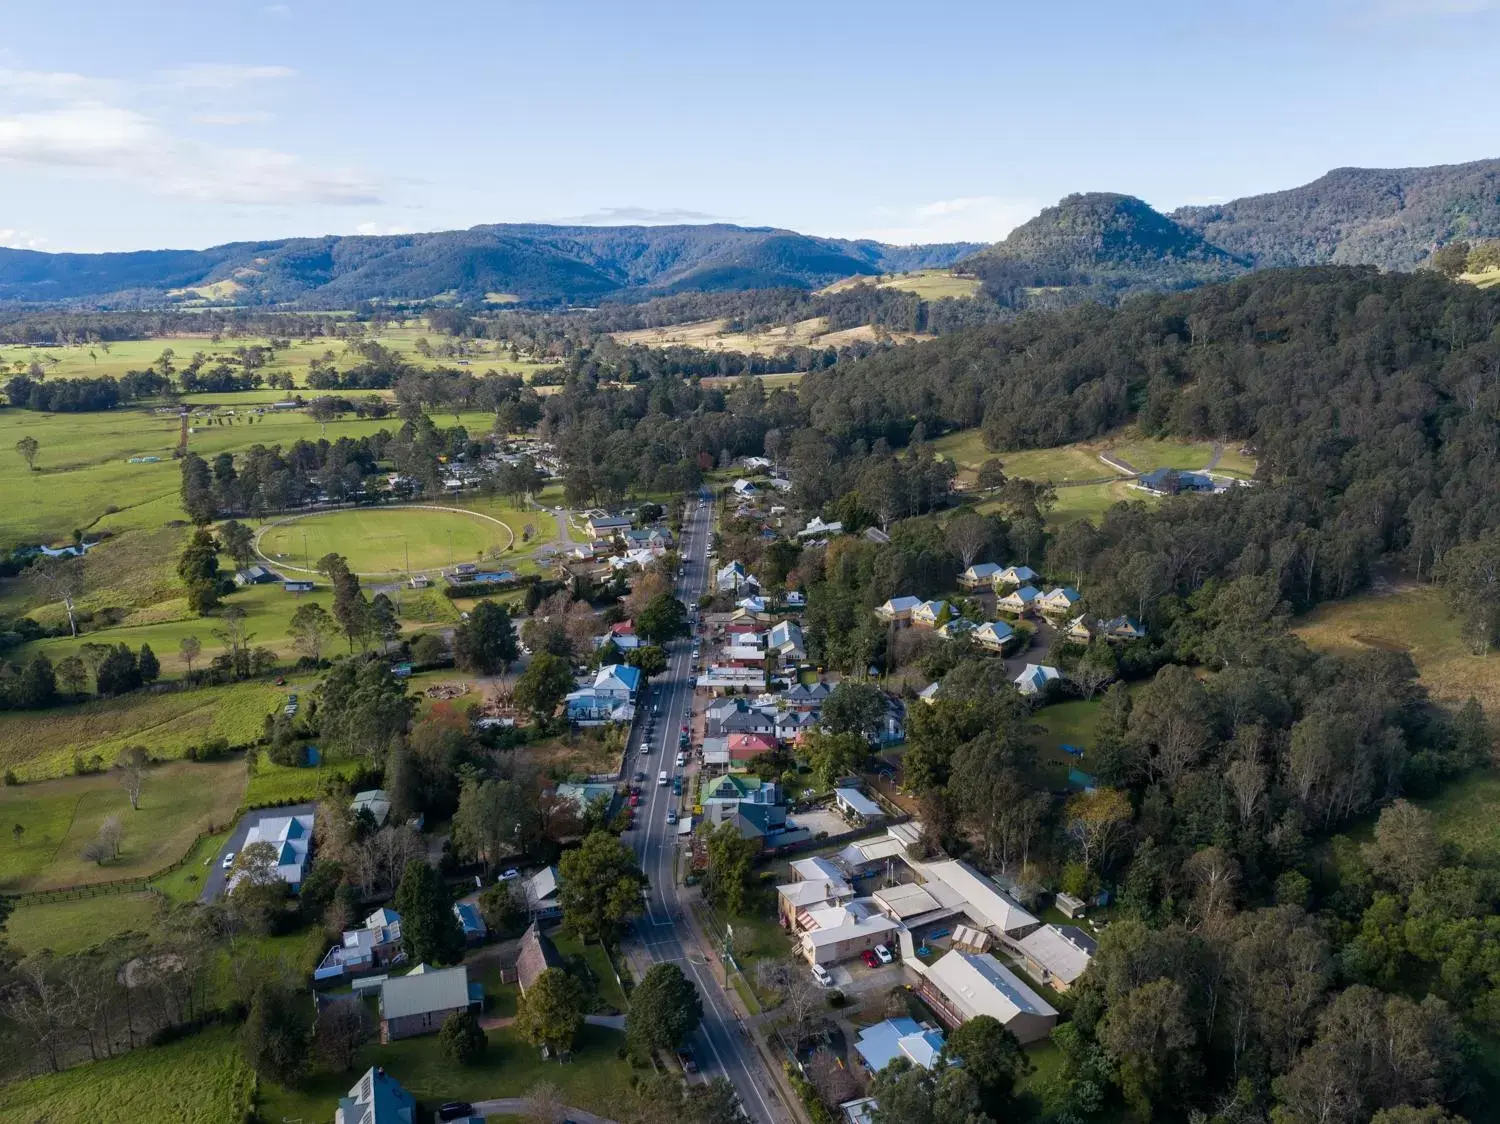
(520, 1106)
(213, 881)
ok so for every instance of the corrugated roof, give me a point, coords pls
(424, 989)
(978, 984)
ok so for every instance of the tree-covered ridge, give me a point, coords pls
(531, 262)
(1390, 217)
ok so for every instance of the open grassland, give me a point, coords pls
(929, 284)
(1065, 723)
(780, 380)
(1466, 813)
(596, 1080)
(1415, 620)
(711, 335)
(199, 1080)
(385, 540)
(1490, 278)
(58, 817)
(1080, 460)
(288, 784)
(66, 927)
(40, 744)
(186, 882)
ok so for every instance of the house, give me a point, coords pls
(898, 610)
(1016, 575)
(794, 725)
(755, 606)
(816, 528)
(1068, 905)
(537, 954)
(816, 882)
(829, 933)
(724, 717)
(420, 581)
(291, 836)
(963, 985)
(786, 641)
(958, 628)
(883, 1043)
(373, 945)
(618, 681)
(1018, 601)
(795, 599)
(584, 796)
(719, 677)
(745, 489)
(743, 748)
(734, 578)
(993, 636)
(374, 801)
(298, 585)
(607, 526)
(376, 1099)
(608, 698)
(755, 463)
(854, 803)
(1060, 600)
(255, 575)
(1123, 628)
(1058, 954)
(541, 890)
(952, 881)
(930, 614)
(419, 1002)
(734, 789)
(1170, 482)
(929, 693)
(1080, 629)
(860, 1111)
(743, 655)
(981, 575)
(469, 920)
(807, 697)
(1034, 679)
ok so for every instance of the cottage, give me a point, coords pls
(419, 1002)
(883, 1043)
(807, 697)
(255, 575)
(854, 803)
(816, 882)
(1016, 575)
(291, 836)
(959, 628)
(1058, 954)
(745, 489)
(607, 526)
(795, 599)
(831, 933)
(420, 581)
(963, 985)
(1018, 601)
(898, 610)
(786, 641)
(1035, 677)
(376, 1099)
(1060, 600)
(816, 528)
(744, 748)
(541, 890)
(929, 693)
(1123, 628)
(298, 585)
(979, 576)
(734, 578)
(470, 921)
(1080, 629)
(993, 636)
(930, 614)
(373, 945)
(537, 954)
(375, 802)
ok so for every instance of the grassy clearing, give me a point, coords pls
(1414, 620)
(710, 335)
(929, 284)
(597, 960)
(385, 540)
(1068, 723)
(596, 1079)
(40, 744)
(1467, 814)
(186, 882)
(72, 926)
(204, 1077)
(284, 784)
(1080, 460)
(178, 801)
(1489, 279)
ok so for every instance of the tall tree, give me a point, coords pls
(311, 629)
(486, 642)
(551, 1012)
(430, 933)
(277, 1034)
(28, 446)
(601, 887)
(665, 1010)
(542, 686)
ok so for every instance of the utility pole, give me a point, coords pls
(306, 557)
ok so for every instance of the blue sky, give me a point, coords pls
(161, 123)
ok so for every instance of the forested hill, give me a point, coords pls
(1390, 217)
(532, 263)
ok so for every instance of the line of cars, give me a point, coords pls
(877, 957)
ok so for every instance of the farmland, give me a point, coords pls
(711, 335)
(929, 284)
(208, 1081)
(76, 924)
(1080, 461)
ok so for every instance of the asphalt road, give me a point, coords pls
(721, 1046)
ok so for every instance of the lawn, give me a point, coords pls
(288, 784)
(58, 817)
(1066, 723)
(1414, 619)
(597, 960)
(385, 540)
(40, 744)
(199, 1080)
(596, 1079)
(186, 882)
(67, 927)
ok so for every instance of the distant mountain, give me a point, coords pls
(1103, 240)
(534, 263)
(1390, 217)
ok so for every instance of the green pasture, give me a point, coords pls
(59, 817)
(596, 1079)
(67, 927)
(1466, 813)
(929, 284)
(386, 540)
(289, 784)
(186, 882)
(40, 744)
(198, 1080)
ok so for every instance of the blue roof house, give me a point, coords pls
(883, 1043)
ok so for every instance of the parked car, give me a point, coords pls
(885, 954)
(689, 1063)
(509, 875)
(639, 777)
(228, 861)
(681, 759)
(671, 815)
(455, 1110)
(822, 975)
(870, 959)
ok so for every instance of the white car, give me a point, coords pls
(681, 760)
(822, 975)
(885, 954)
(509, 875)
(228, 861)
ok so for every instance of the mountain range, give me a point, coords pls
(1097, 244)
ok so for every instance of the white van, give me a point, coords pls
(661, 778)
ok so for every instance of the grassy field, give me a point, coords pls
(385, 540)
(284, 784)
(1080, 461)
(186, 882)
(40, 744)
(596, 1079)
(199, 1080)
(57, 818)
(929, 284)
(1067, 723)
(711, 335)
(1414, 620)
(1467, 814)
(1486, 280)
(71, 926)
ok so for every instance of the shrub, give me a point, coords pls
(462, 1038)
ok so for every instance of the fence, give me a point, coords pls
(83, 890)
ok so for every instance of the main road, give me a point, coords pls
(722, 1045)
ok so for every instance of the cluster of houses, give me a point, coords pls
(260, 575)
(961, 936)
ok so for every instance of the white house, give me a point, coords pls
(1016, 575)
(993, 635)
(745, 489)
(981, 575)
(734, 578)
(1019, 601)
(898, 609)
(291, 836)
(1035, 677)
(816, 528)
(930, 614)
(1059, 600)
(786, 641)
(1123, 628)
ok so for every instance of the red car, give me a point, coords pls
(870, 959)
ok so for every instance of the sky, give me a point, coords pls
(184, 124)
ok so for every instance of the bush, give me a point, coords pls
(837, 998)
(462, 1039)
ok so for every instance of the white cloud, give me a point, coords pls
(969, 218)
(14, 239)
(381, 228)
(277, 11)
(641, 216)
(57, 120)
(223, 75)
(230, 119)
